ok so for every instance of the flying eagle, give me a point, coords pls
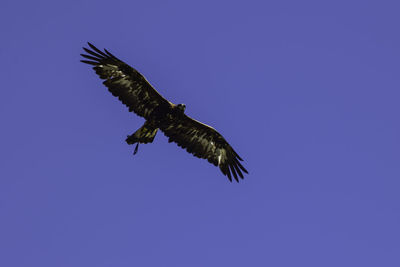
(139, 96)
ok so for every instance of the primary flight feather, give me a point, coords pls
(139, 96)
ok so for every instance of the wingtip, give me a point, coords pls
(89, 44)
(88, 62)
(229, 175)
(108, 53)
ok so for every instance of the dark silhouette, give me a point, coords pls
(139, 96)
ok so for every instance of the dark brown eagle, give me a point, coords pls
(139, 96)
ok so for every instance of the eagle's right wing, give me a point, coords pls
(124, 82)
(205, 142)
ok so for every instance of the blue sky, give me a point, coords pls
(307, 92)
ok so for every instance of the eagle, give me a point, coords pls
(133, 90)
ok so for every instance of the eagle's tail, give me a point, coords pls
(144, 135)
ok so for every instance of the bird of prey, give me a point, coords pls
(133, 90)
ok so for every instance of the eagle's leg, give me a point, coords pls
(136, 149)
(143, 135)
(131, 140)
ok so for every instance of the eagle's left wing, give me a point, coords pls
(204, 142)
(125, 82)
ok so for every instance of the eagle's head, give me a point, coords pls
(181, 107)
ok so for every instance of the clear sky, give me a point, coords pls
(307, 92)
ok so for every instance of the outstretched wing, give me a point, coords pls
(204, 142)
(124, 82)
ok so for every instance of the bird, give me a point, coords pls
(133, 90)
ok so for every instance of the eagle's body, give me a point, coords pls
(135, 91)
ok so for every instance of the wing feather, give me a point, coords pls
(124, 82)
(204, 142)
